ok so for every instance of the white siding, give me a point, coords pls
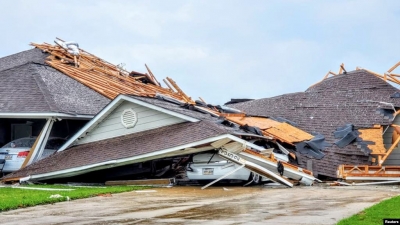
(394, 157)
(111, 126)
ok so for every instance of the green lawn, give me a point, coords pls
(389, 208)
(13, 198)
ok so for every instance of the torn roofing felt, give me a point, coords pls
(313, 147)
(28, 85)
(237, 100)
(124, 147)
(346, 135)
(353, 98)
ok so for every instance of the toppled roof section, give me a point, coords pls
(123, 147)
(30, 86)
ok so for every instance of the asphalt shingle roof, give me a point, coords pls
(33, 55)
(352, 98)
(28, 85)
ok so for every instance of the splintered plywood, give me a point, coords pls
(260, 122)
(374, 135)
(288, 133)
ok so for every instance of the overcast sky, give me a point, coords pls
(217, 50)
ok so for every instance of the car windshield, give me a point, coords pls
(52, 143)
(21, 143)
(55, 143)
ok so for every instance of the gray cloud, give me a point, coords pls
(217, 49)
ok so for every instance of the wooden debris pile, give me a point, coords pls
(108, 79)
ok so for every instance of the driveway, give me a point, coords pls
(215, 205)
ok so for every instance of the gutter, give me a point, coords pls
(76, 169)
(44, 115)
(148, 156)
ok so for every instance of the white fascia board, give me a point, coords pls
(107, 110)
(160, 109)
(259, 148)
(61, 173)
(43, 115)
(72, 170)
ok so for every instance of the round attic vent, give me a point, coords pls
(129, 118)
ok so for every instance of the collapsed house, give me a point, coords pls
(345, 124)
(356, 112)
(147, 128)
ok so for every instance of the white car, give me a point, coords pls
(209, 166)
(15, 152)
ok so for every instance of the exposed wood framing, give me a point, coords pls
(202, 100)
(388, 76)
(383, 172)
(393, 67)
(181, 93)
(341, 67)
(104, 77)
(155, 81)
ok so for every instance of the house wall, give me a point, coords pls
(112, 127)
(394, 157)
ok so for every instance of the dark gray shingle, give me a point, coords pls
(347, 98)
(28, 85)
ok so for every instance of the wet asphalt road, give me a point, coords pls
(215, 205)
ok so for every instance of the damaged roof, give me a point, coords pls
(28, 85)
(106, 78)
(176, 108)
(124, 147)
(357, 98)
